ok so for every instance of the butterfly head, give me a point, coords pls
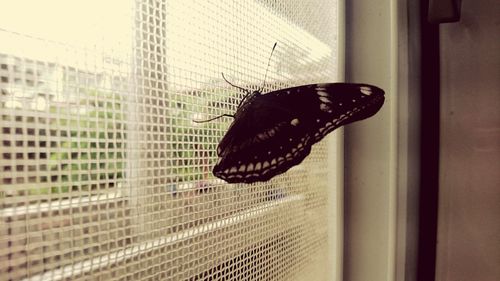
(248, 99)
(254, 94)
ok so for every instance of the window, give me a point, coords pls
(105, 175)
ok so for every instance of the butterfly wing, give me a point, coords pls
(275, 131)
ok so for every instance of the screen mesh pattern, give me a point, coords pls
(105, 176)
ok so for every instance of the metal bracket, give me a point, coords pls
(442, 11)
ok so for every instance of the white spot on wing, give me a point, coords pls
(324, 107)
(322, 93)
(233, 170)
(295, 122)
(365, 90)
(258, 166)
(242, 168)
(250, 167)
(265, 165)
(325, 99)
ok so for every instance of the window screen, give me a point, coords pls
(105, 176)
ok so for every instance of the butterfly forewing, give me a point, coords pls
(276, 130)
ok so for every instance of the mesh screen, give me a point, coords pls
(104, 176)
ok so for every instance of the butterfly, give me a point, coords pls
(275, 131)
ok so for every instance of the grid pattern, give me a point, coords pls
(105, 176)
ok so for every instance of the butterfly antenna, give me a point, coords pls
(267, 68)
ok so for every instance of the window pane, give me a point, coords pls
(105, 175)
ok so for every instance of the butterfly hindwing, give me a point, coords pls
(271, 152)
(275, 131)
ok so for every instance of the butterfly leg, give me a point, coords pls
(212, 119)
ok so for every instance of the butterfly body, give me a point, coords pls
(275, 131)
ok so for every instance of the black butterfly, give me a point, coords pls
(273, 132)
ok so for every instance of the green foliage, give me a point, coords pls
(91, 146)
(91, 151)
